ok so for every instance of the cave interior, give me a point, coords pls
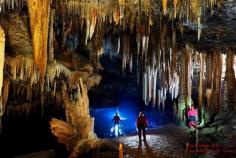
(67, 66)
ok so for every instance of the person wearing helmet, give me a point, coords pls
(141, 125)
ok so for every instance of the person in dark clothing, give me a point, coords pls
(116, 119)
(141, 125)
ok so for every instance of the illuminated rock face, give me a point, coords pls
(39, 22)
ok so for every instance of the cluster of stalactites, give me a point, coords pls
(22, 68)
(188, 10)
(155, 60)
(39, 21)
(6, 5)
(158, 81)
(120, 12)
(54, 70)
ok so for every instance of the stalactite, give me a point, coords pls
(122, 8)
(2, 57)
(22, 68)
(189, 74)
(185, 83)
(154, 78)
(54, 89)
(55, 69)
(146, 5)
(51, 36)
(175, 8)
(164, 6)
(145, 90)
(199, 28)
(39, 22)
(131, 63)
(138, 41)
(209, 77)
(217, 71)
(125, 51)
(93, 22)
(201, 86)
(118, 45)
(116, 16)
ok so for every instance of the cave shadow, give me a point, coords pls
(146, 151)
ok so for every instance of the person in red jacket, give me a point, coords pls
(141, 125)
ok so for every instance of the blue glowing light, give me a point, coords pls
(116, 130)
(128, 112)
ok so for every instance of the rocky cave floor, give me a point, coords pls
(168, 141)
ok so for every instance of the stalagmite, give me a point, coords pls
(39, 22)
(79, 125)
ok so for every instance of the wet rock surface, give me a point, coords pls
(155, 146)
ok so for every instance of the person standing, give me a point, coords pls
(116, 119)
(141, 125)
(192, 117)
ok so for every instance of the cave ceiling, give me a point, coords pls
(144, 33)
(203, 23)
